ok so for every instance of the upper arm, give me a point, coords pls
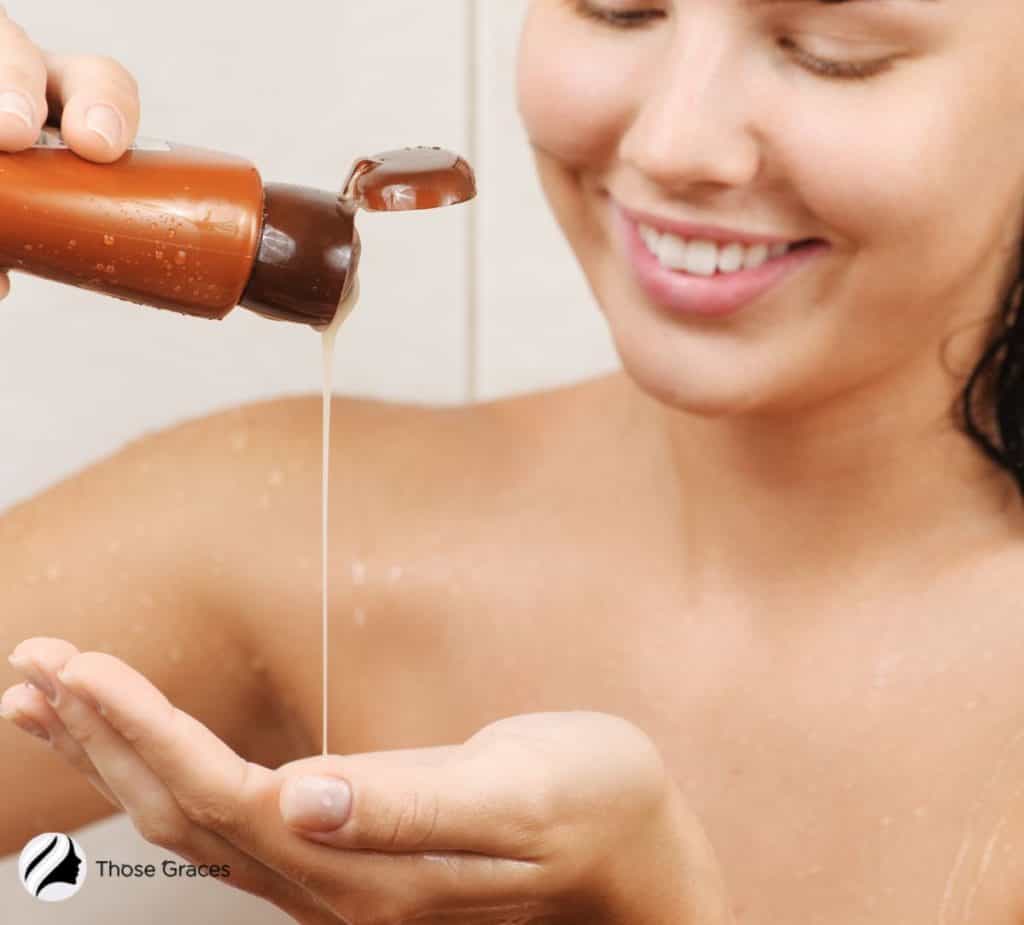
(115, 559)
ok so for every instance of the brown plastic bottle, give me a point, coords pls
(197, 231)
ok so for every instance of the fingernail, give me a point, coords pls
(17, 104)
(105, 122)
(36, 676)
(317, 804)
(87, 699)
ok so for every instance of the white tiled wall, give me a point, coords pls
(473, 302)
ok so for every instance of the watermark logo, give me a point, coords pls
(52, 867)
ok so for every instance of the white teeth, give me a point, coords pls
(701, 258)
(650, 237)
(704, 258)
(756, 255)
(730, 258)
(671, 251)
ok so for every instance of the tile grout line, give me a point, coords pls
(472, 255)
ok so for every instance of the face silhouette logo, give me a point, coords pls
(52, 867)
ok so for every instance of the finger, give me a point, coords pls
(141, 790)
(243, 806)
(151, 806)
(22, 87)
(400, 802)
(98, 103)
(26, 707)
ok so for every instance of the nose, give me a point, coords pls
(694, 128)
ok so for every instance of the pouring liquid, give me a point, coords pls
(328, 336)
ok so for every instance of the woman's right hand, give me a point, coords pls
(93, 99)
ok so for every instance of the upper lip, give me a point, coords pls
(695, 232)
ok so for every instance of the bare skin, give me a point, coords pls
(814, 616)
(863, 763)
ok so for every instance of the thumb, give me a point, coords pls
(433, 799)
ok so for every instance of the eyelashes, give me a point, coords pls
(620, 19)
(823, 67)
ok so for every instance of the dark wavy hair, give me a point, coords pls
(996, 388)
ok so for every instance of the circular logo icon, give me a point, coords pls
(52, 867)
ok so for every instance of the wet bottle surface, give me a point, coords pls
(198, 232)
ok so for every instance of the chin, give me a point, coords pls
(674, 382)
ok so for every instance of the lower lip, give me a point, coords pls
(717, 296)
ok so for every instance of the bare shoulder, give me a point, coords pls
(971, 661)
(419, 497)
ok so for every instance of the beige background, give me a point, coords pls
(486, 301)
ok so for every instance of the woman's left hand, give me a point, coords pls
(546, 817)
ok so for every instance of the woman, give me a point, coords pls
(774, 545)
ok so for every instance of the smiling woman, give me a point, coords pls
(778, 510)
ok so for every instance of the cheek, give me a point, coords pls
(576, 93)
(906, 173)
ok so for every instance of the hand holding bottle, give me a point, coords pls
(93, 99)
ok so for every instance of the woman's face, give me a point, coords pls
(710, 112)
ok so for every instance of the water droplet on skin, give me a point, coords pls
(972, 704)
(885, 821)
(360, 617)
(276, 477)
(239, 441)
(264, 501)
(358, 573)
(137, 627)
(920, 812)
(175, 654)
(28, 247)
(170, 233)
(110, 268)
(159, 254)
(52, 572)
(180, 258)
(108, 239)
(395, 573)
(72, 243)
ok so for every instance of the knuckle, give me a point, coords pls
(85, 732)
(210, 812)
(528, 835)
(106, 69)
(413, 825)
(25, 76)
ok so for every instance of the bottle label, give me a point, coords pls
(52, 138)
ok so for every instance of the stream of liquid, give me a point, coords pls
(328, 336)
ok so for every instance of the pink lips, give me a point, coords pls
(719, 295)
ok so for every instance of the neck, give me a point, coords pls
(877, 484)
